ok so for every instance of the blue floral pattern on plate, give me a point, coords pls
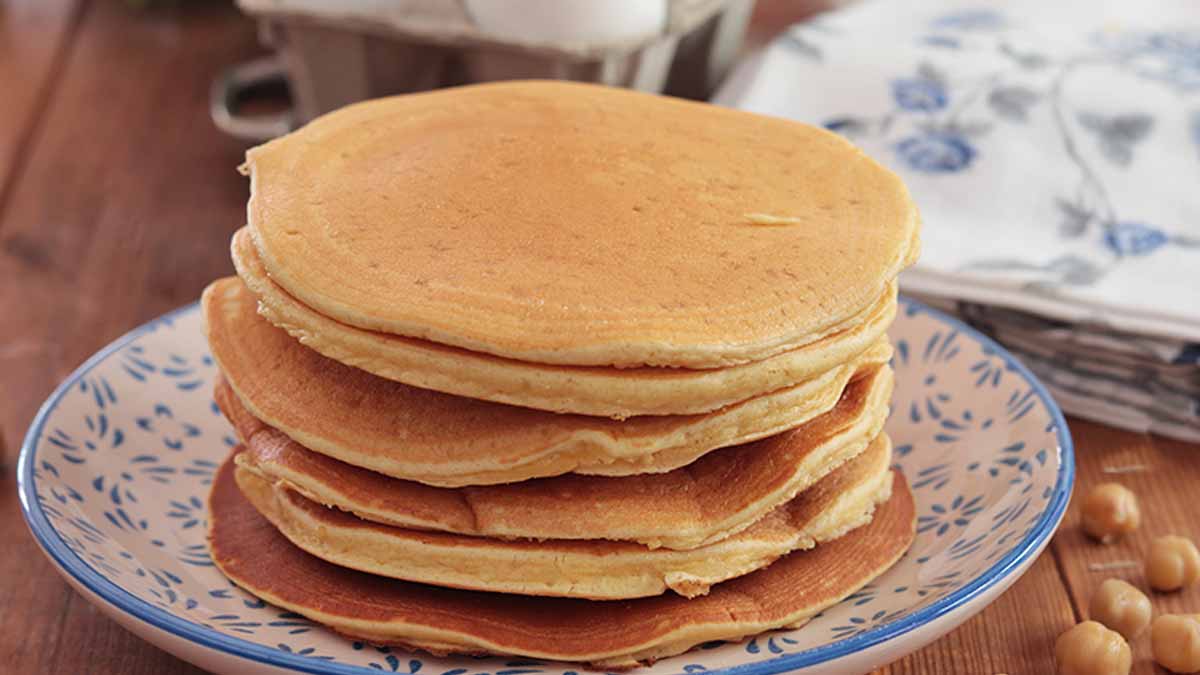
(115, 470)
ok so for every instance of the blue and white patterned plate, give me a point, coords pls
(114, 472)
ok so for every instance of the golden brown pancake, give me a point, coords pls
(610, 392)
(715, 497)
(597, 570)
(252, 553)
(574, 224)
(449, 441)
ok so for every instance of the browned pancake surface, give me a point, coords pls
(251, 552)
(434, 438)
(719, 494)
(593, 569)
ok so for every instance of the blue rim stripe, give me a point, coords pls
(56, 549)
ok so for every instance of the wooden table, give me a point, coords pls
(117, 199)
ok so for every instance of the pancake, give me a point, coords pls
(715, 497)
(449, 441)
(574, 224)
(598, 570)
(253, 554)
(609, 392)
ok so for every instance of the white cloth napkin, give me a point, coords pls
(1132, 381)
(1054, 151)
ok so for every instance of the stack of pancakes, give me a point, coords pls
(560, 371)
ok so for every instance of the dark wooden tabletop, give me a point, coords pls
(117, 199)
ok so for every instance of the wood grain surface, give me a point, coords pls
(121, 210)
(34, 35)
(1165, 474)
(117, 203)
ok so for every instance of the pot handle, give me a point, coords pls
(232, 85)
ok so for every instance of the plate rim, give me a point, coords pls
(120, 599)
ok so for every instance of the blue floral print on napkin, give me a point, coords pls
(1170, 56)
(950, 114)
(1054, 150)
(936, 152)
(1134, 239)
(919, 94)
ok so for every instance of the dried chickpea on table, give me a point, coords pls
(1119, 612)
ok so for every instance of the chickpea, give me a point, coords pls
(1121, 607)
(1175, 641)
(1110, 511)
(1172, 564)
(1091, 649)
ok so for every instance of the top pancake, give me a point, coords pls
(579, 225)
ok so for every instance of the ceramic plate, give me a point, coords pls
(114, 472)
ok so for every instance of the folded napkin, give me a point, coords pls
(1133, 381)
(1054, 151)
